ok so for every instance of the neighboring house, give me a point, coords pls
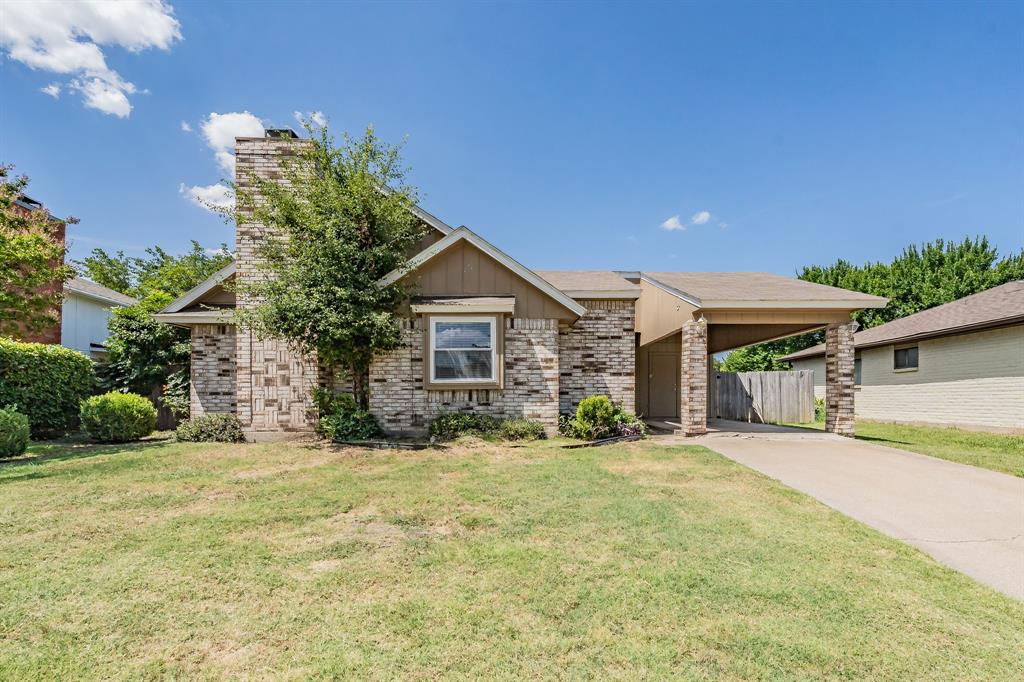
(84, 314)
(958, 364)
(25, 206)
(485, 334)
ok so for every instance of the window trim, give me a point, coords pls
(908, 346)
(497, 322)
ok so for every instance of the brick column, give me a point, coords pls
(693, 385)
(839, 378)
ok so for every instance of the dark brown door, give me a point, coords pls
(663, 385)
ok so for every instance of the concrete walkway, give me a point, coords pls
(968, 518)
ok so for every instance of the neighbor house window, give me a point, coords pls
(463, 350)
(856, 372)
(905, 358)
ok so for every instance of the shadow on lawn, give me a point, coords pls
(75, 448)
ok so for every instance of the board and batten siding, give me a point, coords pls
(974, 379)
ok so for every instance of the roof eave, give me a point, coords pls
(196, 292)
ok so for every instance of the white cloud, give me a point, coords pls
(209, 197)
(700, 218)
(723, 225)
(673, 223)
(220, 131)
(67, 37)
(53, 90)
(185, 127)
(317, 118)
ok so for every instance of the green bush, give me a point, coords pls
(819, 409)
(521, 429)
(342, 419)
(46, 383)
(598, 417)
(14, 431)
(455, 424)
(211, 428)
(117, 417)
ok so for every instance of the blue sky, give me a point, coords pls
(566, 134)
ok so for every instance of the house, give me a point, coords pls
(483, 333)
(958, 364)
(86, 309)
(25, 206)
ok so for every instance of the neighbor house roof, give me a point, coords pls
(97, 292)
(994, 307)
(591, 283)
(757, 289)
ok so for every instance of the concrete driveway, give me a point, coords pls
(968, 518)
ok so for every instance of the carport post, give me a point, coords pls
(693, 384)
(839, 392)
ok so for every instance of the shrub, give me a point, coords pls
(342, 419)
(14, 431)
(117, 417)
(454, 424)
(819, 409)
(598, 417)
(211, 428)
(46, 383)
(521, 429)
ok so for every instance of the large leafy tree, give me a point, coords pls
(32, 269)
(339, 223)
(158, 272)
(145, 355)
(921, 277)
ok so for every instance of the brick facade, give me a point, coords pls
(693, 383)
(402, 404)
(274, 383)
(597, 355)
(213, 370)
(839, 393)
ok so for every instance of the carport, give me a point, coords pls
(683, 318)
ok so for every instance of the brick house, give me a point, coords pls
(485, 334)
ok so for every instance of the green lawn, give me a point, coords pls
(995, 451)
(167, 560)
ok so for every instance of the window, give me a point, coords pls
(856, 372)
(463, 350)
(905, 358)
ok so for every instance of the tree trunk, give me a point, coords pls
(361, 386)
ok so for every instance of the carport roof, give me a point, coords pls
(759, 289)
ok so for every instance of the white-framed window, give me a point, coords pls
(463, 349)
(905, 358)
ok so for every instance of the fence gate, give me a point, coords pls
(765, 397)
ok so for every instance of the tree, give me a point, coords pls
(32, 269)
(340, 222)
(919, 278)
(144, 354)
(159, 272)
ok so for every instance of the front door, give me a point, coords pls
(663, 385)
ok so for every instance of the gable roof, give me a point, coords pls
(98, 292)
(465, 234)
(194, 294)
(993, 307)
(756, 289)
(591, 283)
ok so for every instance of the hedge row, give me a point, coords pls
(46, 383)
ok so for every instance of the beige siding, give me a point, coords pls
(659, 313)
(464, 270)
(968, 379)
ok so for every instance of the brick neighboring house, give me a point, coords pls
(26, 206)
(485, 334)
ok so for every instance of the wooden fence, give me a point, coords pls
(764, 397)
